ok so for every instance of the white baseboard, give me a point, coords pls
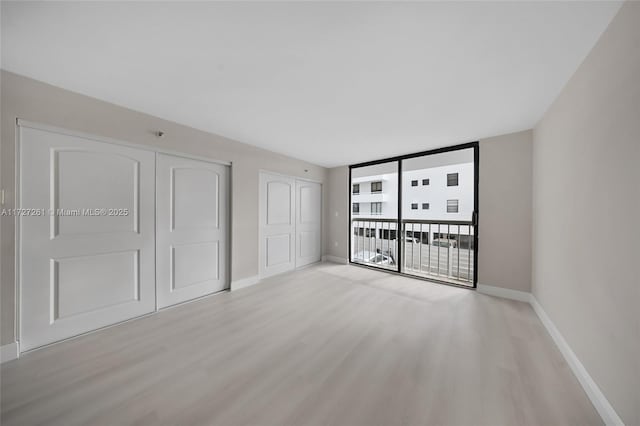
(245, 282)
(9, 352)
(505, 293)
(597, 398)
(334, 259)
(599, 401)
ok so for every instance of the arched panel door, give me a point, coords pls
(277, 224)
(308, 222)
(192, 229)
(87, 256)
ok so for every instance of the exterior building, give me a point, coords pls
(375, 196)
(438, 193)
(442, 193)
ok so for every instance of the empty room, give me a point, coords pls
(320, 213)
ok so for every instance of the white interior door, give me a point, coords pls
(192, 229)
(308, 222)
(91, 264)
(277, 224)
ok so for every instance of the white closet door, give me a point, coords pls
(277, 224)
(83, 269)
(308, 222)
(192, 229)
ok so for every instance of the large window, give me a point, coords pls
(398, 221)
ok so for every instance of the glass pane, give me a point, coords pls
(438, 238)
(374, 220)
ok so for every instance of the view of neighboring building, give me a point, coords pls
(434, 188)
(437, 205)
(375, 196)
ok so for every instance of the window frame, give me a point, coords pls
(475, 146)
(378, 209)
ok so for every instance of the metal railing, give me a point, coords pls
(374, 242)
(442, 250)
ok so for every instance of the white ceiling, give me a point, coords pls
(330, 83)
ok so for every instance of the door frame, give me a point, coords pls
(20, 122)
(319, 182)
(475, 219)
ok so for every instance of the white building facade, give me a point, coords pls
(430, 192)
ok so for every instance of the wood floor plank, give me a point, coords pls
(326, 345)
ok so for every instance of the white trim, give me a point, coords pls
(597, 398)
(505, 293)
(25, 123)
(9, 352)
(599, 401)
(334, 259)
(308, 265)
(244, 282)
(290, 176)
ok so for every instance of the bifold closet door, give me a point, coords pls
(308, 222)
(277, 224)
(192, 228)
(87, 251)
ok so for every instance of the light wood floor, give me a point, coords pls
(330, 345)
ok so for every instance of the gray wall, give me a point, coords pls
(505, 212)
(504, 252)
(586, 211)
(42, 103)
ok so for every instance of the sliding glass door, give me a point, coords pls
(417, 214)
(374, 215)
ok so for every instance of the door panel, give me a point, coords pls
(276, 224)
(114, 281)
(308, 222)
(91, 264)
(192, 231)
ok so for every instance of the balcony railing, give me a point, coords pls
(441, 250)
(374, 242)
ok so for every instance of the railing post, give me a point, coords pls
(450, 260)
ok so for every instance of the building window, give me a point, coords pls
(425, 206)
(376, 186)
(356, 188)
(425, 182)
(376, 208)
(414, 183)
(452, 179)
(452, 206)
(356, 208)
(414, 206)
